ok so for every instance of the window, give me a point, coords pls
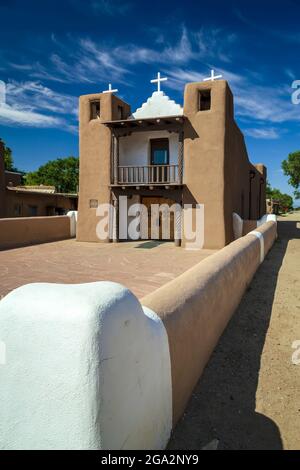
(160, 152)
(204, 100)
(32, 210)
(120, 113)
(95, 109)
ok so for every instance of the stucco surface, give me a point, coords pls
(95, 156)
(86, 368)
(210, 293)
(33, 230)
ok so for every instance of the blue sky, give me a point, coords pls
(52, 52)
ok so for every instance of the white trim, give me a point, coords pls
(158, 105)
(73, 222)
(262, 243)
(238, 223)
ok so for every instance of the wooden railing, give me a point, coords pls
(150, 174)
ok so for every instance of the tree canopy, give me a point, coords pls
(62, 173)
(8, 158)
(291, 168)
(285, 200)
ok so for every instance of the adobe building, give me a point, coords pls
(165, 153)
(17, 200)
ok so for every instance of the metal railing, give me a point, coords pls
(149, 174)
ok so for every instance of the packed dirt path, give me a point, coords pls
(249, 394)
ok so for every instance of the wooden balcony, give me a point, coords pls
(147, 175)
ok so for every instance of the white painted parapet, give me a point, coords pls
(267, 218)
(242, 227)
(73, 222)
(83, 367)
(237, 222)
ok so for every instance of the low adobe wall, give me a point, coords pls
(24, 231)
(196, 307)
(87, 367)
(243, 227)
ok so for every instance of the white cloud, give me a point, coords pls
(179, 53)
(263, 103)
(32, 104)
(215, 43)
(252, 102)
(83, 60)
(10, 115)
(264, 133)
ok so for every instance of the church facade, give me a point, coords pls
(164, 154)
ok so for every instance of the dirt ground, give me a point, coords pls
(249, 394)
(140, 266)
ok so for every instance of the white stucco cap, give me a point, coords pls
(158, 104)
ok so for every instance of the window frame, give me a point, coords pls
(156, 142)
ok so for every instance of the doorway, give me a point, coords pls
(148, 201)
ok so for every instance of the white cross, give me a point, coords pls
(110, 90)
(158, 80)
(212, 76)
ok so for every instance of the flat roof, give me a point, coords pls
(19, 189)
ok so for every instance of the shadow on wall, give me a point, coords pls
(223, 404)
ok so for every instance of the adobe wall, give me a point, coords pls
(196, 316)
(237, 169)
(125, 394)
(41, 201)
(2, 182)
(95, 160)
(216, 164)
(12, 178)
(21, 231)
(204, 137)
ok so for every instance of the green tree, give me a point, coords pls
(285, 200)
(8, 159)
(291, 168)
(268, 190)
(62, 173)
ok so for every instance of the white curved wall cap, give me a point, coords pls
(157, 105)
(70, 213)
(262, 243)
(267, 218)
(237, 226)
(272, 218)
(73, 222)
(86, 368)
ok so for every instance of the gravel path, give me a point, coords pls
(249, 394)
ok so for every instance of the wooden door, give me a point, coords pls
(148, 201)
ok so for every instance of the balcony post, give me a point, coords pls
(116, 158)
(178, 222)
(180, 156)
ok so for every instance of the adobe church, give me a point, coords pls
(166, 153)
